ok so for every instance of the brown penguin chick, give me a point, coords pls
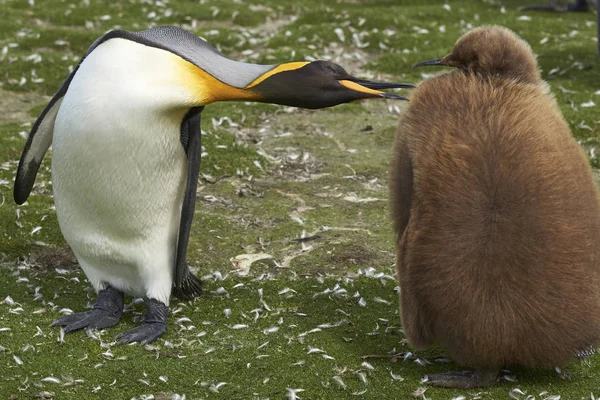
(496, 215)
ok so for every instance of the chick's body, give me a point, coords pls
(497, 219)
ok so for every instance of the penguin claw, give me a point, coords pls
(144, 334)
(93, 319)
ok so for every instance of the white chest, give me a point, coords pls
(118, 171)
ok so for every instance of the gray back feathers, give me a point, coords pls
(195, 50)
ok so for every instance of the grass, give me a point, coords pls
(307, 188)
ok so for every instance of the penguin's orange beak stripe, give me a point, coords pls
(359, 88)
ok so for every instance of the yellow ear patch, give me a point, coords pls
(359, 88)
(280, 68)
(207, 89)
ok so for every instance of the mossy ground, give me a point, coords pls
(305, 187)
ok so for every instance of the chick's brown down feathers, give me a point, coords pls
(496, 214)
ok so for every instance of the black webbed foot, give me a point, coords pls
(464, 379)
(154, 326)
(106, 312)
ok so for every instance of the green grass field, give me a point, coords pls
(306, 188)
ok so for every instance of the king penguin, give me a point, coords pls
(125, 132)
(497, 216)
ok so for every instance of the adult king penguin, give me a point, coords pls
(125, 131)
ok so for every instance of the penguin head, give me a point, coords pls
(492, 51)
(317, 84)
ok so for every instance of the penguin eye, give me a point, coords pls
(334, 69)
(331, 69)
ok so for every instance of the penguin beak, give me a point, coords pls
(375, 88)
(439, 61)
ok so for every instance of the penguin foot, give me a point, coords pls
(106, 312)
(154, 326)
(464, 379)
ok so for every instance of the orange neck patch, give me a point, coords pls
(206, 89)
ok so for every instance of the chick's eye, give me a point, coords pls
(474, 59)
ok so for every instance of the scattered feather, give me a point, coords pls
(339, 32)
(419, 392)
(313, 350)
(270, 330)
(515, 393)
(292, 393)
(362, 376)
(368, 366)
(396, 377)
(339, 381)
(243, 262)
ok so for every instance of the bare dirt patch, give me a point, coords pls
(14, 107)
(49, 257)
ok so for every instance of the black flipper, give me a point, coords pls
(37, 145)
(186, 285)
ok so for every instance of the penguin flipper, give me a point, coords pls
(38, 142)
(187, 285)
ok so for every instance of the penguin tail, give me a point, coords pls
(190, 288)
